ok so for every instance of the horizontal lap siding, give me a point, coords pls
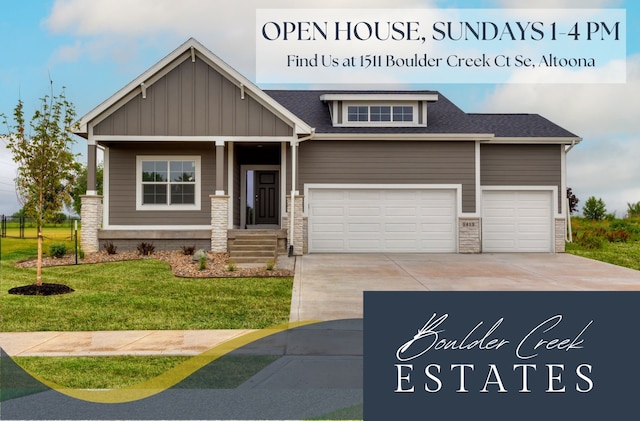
(193, 100)
(122, 185)
(521, 165)
(390, 162)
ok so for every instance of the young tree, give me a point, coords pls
(46, 165)
(633, 209)
(594, 209)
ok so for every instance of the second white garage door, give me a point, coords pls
(381, 220)
(516, 221)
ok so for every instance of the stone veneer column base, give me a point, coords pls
(219, 223)
(298, 224)
(469, 235)
(561, 234)
(91, 215)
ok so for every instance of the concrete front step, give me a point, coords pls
(253, 253)
(259, 260)
(254, 247)
(253, 242)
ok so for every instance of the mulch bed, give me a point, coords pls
(44, 289)
(181, 265)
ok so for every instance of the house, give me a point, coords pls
(196, 154)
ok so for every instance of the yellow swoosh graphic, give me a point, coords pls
(171, 377)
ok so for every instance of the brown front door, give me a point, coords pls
(267, 197)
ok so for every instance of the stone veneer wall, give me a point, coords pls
(91, 215)
(469, 235)
(299, 242)
(560, 234)
(219, 222)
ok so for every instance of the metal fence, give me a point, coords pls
(23, 227)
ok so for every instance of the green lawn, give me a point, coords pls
(598, 247)
(135, 295)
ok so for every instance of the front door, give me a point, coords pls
(266, 197)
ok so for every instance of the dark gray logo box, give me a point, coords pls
(501, 355)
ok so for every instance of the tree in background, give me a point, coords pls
(573, 201)
(594, 209)
(46, 165)
(633, 209)
(80, 187)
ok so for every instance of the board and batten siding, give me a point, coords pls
(389, 162)
(521, 165)
(193, 99)
(122, 184)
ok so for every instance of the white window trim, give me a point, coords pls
(347, 123)
(175, 207)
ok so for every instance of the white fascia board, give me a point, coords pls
(405, 136)
(160, 69)
(378, 96)
(538, 140)
(239, 139)
(156, 227)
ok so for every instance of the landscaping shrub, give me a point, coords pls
(202, 264)
(57, 250)
(199, 255)
(110, 248)
(590, 240)
(188, 250)
(146, 249)
(231, 266)
(618, 236)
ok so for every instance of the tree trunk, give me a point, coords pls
(39, 265)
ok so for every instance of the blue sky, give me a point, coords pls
(96, 47)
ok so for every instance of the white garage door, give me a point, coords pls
(516, 221)
(382, 220)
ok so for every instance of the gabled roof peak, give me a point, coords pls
(162, 67)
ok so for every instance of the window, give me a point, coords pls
(168, 183)
(395, 115)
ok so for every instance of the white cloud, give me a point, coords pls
(8, 201)
(589, 110)
(605, 163)
(558, 4)
(117, 30)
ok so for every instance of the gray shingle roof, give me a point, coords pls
(442, 116)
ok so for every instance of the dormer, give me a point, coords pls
(378, 109)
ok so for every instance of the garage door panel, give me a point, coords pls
(364, 244)
(358, 195)
(372, 220)
(327, 211)
(517, 221)
(360, 211)
(396, 227)
(355, 227)
(398, 211)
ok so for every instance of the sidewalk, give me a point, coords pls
(129, 342)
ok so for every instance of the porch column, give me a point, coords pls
(92, 151)
(296, 233)
(294, 206)
(91, 204)
(220, 167)
(219, 206)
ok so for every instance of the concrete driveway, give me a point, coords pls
(330, 286)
